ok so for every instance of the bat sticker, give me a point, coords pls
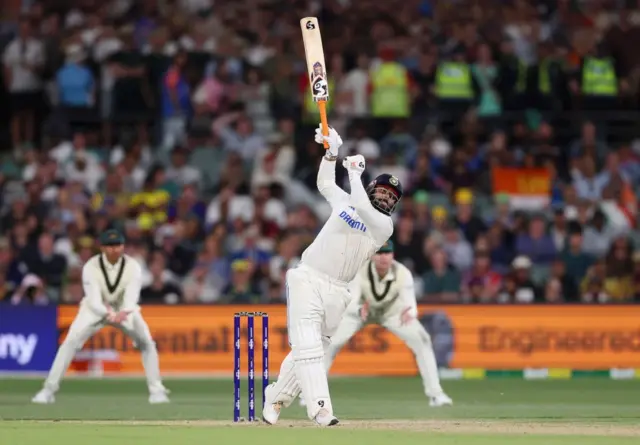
(318, 70)
(310, 25)
(320, 89)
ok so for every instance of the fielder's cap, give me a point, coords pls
(386, 247)
(111, 237)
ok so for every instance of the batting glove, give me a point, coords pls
(334, 140)
(354, 164)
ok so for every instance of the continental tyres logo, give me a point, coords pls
(220, 340)
(527, 342)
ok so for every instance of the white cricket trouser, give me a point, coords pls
(413, 334)
(85, 325)
(315, 304)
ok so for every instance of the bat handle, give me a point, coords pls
(322, 106)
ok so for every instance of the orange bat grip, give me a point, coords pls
(322, 106)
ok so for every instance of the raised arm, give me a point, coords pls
(326, 181)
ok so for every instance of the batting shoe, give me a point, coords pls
(323, 418)
(440, 400)
(271, 411)
(159, 397)
(44, 397)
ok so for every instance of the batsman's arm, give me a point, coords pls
(326, 182)
(132, 291)
(92, 296)
(379, 223)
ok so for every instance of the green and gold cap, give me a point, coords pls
(386, 247)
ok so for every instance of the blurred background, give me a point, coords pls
(187, 124)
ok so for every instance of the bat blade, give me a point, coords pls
(316, 67)
(314, 54)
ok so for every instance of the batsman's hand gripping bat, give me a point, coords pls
(316, 68)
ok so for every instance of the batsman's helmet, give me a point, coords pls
(384, 193)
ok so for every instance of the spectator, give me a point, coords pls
(442, 283)
(176, 103)
(457, 248)
(553, 292)
(598, 236)
(569, 283)
(535, 244)
(180, 172)
(589, 144)
(23, 60)
(485, 73)
(525, 291)
(354, 87)
(240, 139)
(198, 287)
(46, 265)
(241, 290)
(130, 94)
(31, 291)
(576, 261)
(75, 82)
(407, 240)
(161, 289)
(470, 224)
(592, 286)
(618, 284)
(481, 275)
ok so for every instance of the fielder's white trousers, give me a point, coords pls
(315, 304)
(85, 325)
(413, 334)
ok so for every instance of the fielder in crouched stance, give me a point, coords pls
(383, 293)
(111, 282)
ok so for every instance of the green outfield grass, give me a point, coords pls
(372, 411)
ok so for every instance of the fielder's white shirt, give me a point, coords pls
(117, 285)
(352, 234)
(386, 295)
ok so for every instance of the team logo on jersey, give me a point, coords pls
(351, 222)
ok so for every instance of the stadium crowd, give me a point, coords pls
(187, 124)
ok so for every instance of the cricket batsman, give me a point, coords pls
(383, 293)
(317, 290)
(111, 282)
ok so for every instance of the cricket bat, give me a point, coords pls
(316, 68)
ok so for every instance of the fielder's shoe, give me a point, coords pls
(440, 400)
(271, 411)
(44, 397)
(158, 397)
(323, 418)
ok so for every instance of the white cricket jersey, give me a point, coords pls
(117, 285)
(395, 291)
(352, 234)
